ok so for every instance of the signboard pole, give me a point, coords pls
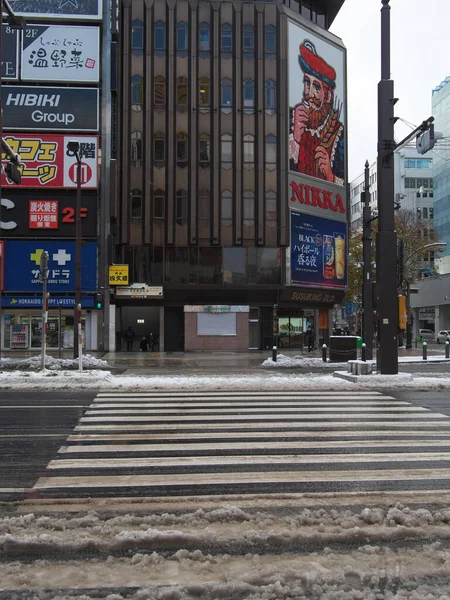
(45, 296)
(80, 339)
(77, 249)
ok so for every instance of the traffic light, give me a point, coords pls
(98, 300)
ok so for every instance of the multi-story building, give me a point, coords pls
(230, 203)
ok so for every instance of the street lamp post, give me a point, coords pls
(367, 294)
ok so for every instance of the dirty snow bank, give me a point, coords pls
(33, 363)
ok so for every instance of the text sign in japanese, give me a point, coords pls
(22, 260)
(60, 53)
(50, 108)
(46, 162)
(118, 274)
(58, 9)
(53, 302)
(46, 214)
(10, 52)
(318, 251)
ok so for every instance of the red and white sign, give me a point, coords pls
(43, 214)
(46, 163)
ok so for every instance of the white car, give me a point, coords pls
(427, 335)
(443, 336)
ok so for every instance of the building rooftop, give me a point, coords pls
(441, 85)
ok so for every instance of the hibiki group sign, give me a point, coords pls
(318, 251)
(60, 53)
(46, 163)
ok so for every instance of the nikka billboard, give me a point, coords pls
(47, 164)
(317, 169)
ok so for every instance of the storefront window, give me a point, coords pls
(24, 331)
(292, 329)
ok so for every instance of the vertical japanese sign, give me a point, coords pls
(318, 251)
(45, 162)
(61, 53)
(10, 53)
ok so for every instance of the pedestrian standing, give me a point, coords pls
(310, 338)
(129, 336)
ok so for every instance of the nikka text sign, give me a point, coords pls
(27, 108)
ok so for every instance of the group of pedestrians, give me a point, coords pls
(147, 343)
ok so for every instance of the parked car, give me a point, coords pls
(427, 335)
(443, 336)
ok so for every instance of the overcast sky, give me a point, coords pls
(420, 60)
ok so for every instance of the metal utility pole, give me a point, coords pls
(387, 313)
(44, 277)
(367, 293)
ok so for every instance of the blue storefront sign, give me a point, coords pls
(318, 251)
(22, 266)
(53, 302)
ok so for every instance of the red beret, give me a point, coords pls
(313, 64)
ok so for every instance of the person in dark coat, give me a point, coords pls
(129, 336)
(143, 344)
(310, 338)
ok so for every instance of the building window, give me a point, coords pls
(227, 151)
(271, 209)
(204, 91)
(204, 208)
(226, 95)
(431, 212)
(249, 94)
(204, 150)
(159, 204)
(182, 38)
(249, 209)
(182, 150)
(159, 149)
(270, 97)
(137, 93)
(271, 152)
(181, 208)
(227, 208)
(137, 38)
(226, 40)
(270, 42)
(136, 205)
(204, 42)
(159, 92)
(249, 152)
(136, 148)
(182, 91)
(249, 41)
(159, 38)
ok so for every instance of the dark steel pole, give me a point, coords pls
(387, 313)
(76, 341)
(367, 287)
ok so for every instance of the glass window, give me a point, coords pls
(270, 96)
(249, 41)
(204, 209)
(271, 152)
(182, 150)
(181, 208)
(270, 42)
(182, 91)
(182, 38)
(269, 265)
(136, 205)
(204, 91)
(204, 150)
(204, 38)
(160, 38)
(137, 93)
(227, 93)
(431, 211)
(159, 91)
(249, 151)
(234, 265)
(271, 209)
(159, 149)
(227, 208)
(136, 148)
(226, 40)
(425, 212)
(227, 151)
(249, 94)
(159, 203)
(249, 209)
(137, 37)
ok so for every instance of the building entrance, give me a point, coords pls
(292, 328)
(144, 322)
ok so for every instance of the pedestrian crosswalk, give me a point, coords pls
(211, 443)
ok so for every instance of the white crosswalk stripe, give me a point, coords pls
(197, 443)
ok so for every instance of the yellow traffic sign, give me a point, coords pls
(118, 274)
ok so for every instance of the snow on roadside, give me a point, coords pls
(51, 363)
(284, 362)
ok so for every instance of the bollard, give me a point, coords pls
(447, 349)
(324, 353)
(363, 352)
(424, 351)
(274, 354)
